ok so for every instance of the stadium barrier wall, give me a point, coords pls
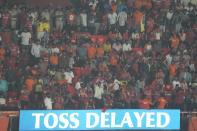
(10, 121)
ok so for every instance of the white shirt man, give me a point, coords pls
(34, 16)
(83, 19)
(48, 103)
(25, 37)
(13, 14)
(176, 83)
(55, 50)
(98, 91)
(135, 35)
(158, 35)
(122, 18)
(116, 85)
(78, 85)
(169, 15)
(46, 15)
(112, 18)
(69, 76)
(59, 19)
(168, 59)
(35, 50)
(93, 3)
(126, 47)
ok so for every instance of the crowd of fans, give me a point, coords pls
(99, 54)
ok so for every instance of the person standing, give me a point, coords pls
(98, 95)
(59, 19)
(112, 17)
(25, 39)
(48, 102)
(13, 18)
(71, 18)
(122, 20)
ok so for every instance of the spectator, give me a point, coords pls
(112, 16)
(48, 102)
(122, 18)
(162, 102)
(98, 95)
(145, 103)
(25, 38)
(36, 50)
(69, 75)
(59, 19)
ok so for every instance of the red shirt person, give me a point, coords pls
(162, 102)
(145, 103)
(5, 18)
(71, 18)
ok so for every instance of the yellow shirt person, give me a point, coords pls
(43, 25)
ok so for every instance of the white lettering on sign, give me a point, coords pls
(139, 118)
(167, 118)
(149, 119)
(88, 120)
(127, 120)
(46, 120)
(74, 120)
(102, 120)
(113, 120)
(52, 120)
(37, 122)
(63, 120)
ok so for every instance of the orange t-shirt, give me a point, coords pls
(2, 52)
(30, 83)
(94, 39)
(160, 74)
(71, 90)
(61, 48)
(147, 4)
(172, 69)
(150, 26)
(91, 52)
(138, 17)
(145, 104)
(61, 82)
(144, 3)
(54, 60)
(111, 35)
(113, 61)
(175, 42)
(162, 102)
(100, 52)
(138, 3)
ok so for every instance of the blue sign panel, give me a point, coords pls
(31, 120)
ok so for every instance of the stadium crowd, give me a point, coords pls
(99, 54)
